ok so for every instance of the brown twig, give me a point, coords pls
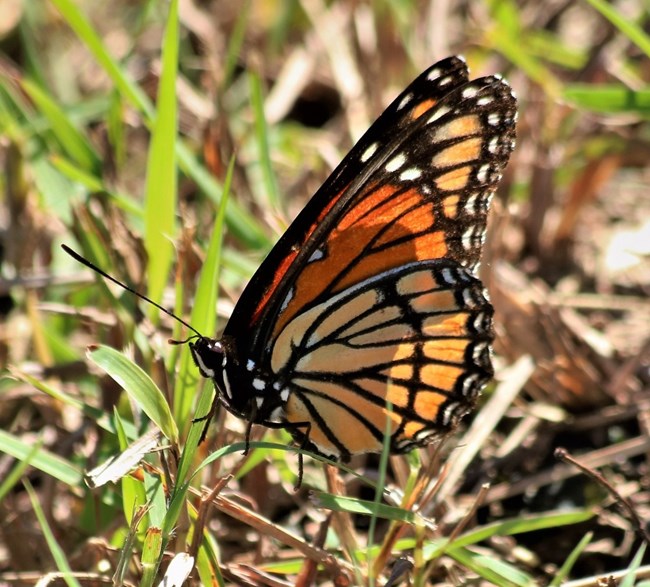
(623, 503)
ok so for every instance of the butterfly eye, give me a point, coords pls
(209, 355)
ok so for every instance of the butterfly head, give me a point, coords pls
(240, 390)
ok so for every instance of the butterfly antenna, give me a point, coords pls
(77, 257)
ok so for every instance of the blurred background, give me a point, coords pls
(282, 90)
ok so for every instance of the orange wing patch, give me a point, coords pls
(403, 337)
(385, 230)
(422, 107)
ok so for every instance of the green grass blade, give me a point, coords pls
(379, 490)
(566, 567)
(494, 570)
(204, 314)
(75, 144)
(139, 386)
(153, 545)
(509, 527)
(630, 577)
(630, 29)
(133, 492)
(57, 552)
(94, 184)
(609, 98)
(13, 477)
(241, 223)
(43, 460)
(99, 417)
(161, 185)
(83, 29)
(261, 134)
(235, 43)
(353, 505)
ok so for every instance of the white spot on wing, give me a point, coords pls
(434, 74)
(482, 173)
(286, 300)
(410, 174)
(259, 384)
(404, 101)
(467, 239)
(448, 413)
(468, 298)
(369, 152)
(448, 276)
(250, 365)
(395, 163)
(439, 113)
(284, 394)
(469, 385)
(494, 118)
(479, 321)
(479, 350)
(469, 92)
(277, 415)
(471, 206)
(315, 256)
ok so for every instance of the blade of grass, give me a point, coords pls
(75, 144)
(261, 134)
(133, 491)
(514, 526)
(128, 546)
(353, 505)
(55, 549)
(566, 567)
(153, 546)
(492, 569)
(379, 490)
(204, 314)
(139, 386)
(161, 184)
(94, 184)
(17, 472)
(235, 42)
(624, 24)
(611, 98)
(43, 460)
(630, 577)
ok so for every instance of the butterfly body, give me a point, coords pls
(368, 309)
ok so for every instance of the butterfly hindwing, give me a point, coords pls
(416, 336)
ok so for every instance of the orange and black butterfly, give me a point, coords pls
(369, 307)
(370, 296)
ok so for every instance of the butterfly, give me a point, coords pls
(368, 310)
(369, 306)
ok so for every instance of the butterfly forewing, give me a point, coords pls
(264, 294)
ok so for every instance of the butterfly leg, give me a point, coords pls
(303, 428)
(207, 418)
(304, 443)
